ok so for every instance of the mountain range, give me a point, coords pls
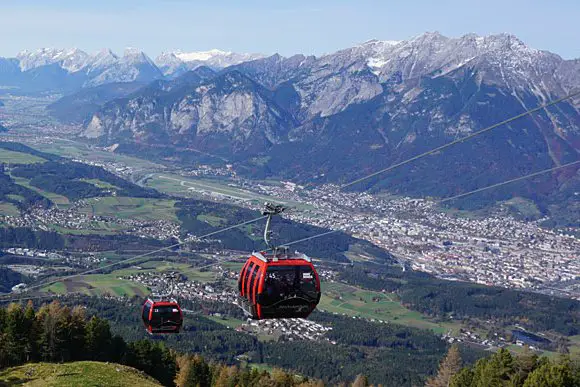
(338, 116)
(66, 70)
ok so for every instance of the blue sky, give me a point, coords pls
(287, 27)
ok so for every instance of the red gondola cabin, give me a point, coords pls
(162, 316)
(279, 286)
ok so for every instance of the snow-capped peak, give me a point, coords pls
(212, 58)
(376, 42)
(201, 55)
(433, 53)
(71, 59)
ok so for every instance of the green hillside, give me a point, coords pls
(82, 373)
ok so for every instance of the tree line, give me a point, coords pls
(382, 352)
(56, 333)
(505, 369)
(51, 240)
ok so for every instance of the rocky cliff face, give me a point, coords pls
(229, 113)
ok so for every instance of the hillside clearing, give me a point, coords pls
(82, 373)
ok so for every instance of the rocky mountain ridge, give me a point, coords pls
(311, 89)
(341, 115)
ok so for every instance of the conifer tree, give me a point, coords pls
(32, 333)
(16, 337)
(463, 378)
(77, 342)
(551, 375)
(98, 338)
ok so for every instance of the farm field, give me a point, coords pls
(99, 183)
(74, 149)
(228, 322)
(9, 209)
(132, 208)
(12, 157)
(352, 301)
(98, 284)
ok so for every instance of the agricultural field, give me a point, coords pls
(575, 346)
(9, 209)
(228, 322)
(352, 301)
(79, 150)
(132, 208)
(215, 221)
(99, 183)
(8, 156)
(97, 228)
(157, 266)
(98, 284)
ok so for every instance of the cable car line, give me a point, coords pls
(509, 181)
(459, 196)
(463, 139)
(227, 259)
(390, 168)
(316, 236)
(138, 256)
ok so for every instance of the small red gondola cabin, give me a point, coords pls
(162, 316)
(279, 286)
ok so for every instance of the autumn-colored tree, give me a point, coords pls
(282, 378)
(312, 383)
(226, 376)
(52, 319)
(449, 366)
(361, 381)
(193, 372)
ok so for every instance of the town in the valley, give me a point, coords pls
(496, 249)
